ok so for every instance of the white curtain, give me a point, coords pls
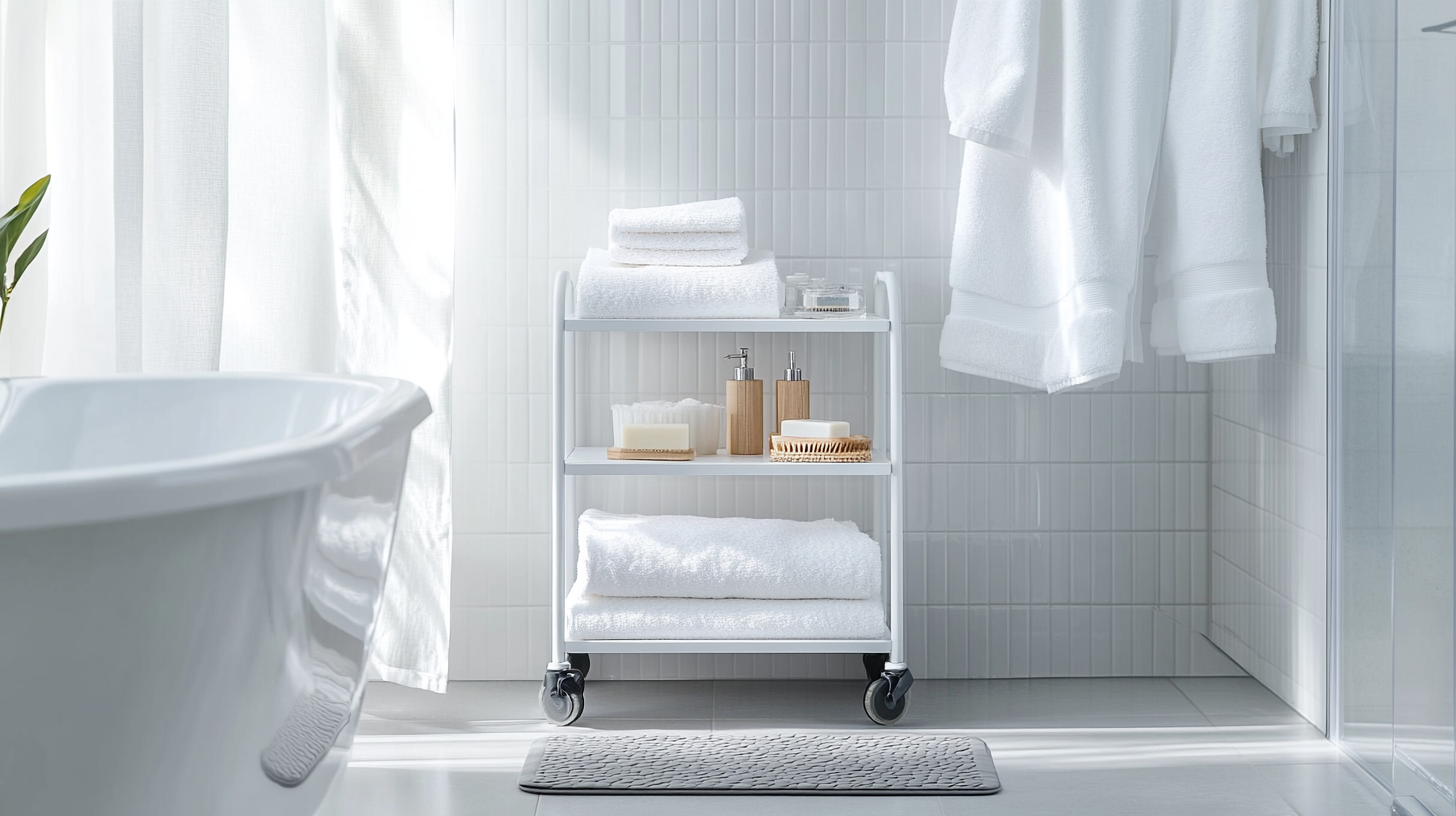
(263, 185)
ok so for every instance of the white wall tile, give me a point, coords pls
(1268, 479)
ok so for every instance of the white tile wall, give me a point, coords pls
(1046, 536)
(1268, 515)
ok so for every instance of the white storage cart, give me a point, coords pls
(888, 676)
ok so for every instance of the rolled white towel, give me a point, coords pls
(605, 289)
(593, 617)
(722, 215)
(695, 557)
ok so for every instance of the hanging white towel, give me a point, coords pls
(1061, 104)
(1214, 301)
(1288, 52)
(695, 557)
(595, 617)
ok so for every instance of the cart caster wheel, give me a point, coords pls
(880, 707)
(562, 710)
(874, 665)
(580, 662)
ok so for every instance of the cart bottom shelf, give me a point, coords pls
(881, 644)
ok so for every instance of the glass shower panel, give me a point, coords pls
(1364, 175)
(1424, 417)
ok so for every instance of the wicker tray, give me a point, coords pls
(810, 449)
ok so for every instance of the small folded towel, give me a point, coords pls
(695, 557)
(702, 233)
(680, 241)
(722, 215)
(611, 290)
(595, 617)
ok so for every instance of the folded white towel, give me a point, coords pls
(722, 215)
(1214, 301)
(593, 617)
(678, 241)
(695, 557)
(699, 258)
(610, 290)
(1062, 104)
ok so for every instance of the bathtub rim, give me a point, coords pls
(91, 495)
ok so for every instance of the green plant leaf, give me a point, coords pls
(10, 228)
(28, 255)
(35, 192)
(14, 223)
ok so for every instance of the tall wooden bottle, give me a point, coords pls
(745, 409)
(791, 396)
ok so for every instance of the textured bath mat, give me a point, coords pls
(776, 764)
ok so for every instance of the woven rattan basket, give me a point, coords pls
(809, 449)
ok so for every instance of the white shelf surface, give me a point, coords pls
(877, 646)
(869, 323)
(594, 462)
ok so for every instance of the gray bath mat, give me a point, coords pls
(813, 764)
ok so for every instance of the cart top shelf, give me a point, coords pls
(868, 323)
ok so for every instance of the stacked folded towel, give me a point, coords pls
(685, 261)
(702, 233)
(605, 289)
(692, 578)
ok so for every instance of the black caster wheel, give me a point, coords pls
(580, 662)
(880, 707)
(563, 709)
(874, 665)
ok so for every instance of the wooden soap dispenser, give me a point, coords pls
(791, 396)
(745, 409)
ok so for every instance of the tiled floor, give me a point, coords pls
(1188, 746)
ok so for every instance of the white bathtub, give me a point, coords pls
(190, 570)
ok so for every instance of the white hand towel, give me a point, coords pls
(695, 557)
(700, 258)
(610, 290)
(722, 215)
(592, 617)
(1047, 244)
(1288, 51)
(1214, 301)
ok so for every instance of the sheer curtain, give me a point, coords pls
(262, 185)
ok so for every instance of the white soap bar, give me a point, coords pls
(816, 428)
(666, 436)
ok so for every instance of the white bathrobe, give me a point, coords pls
(1093, 125)
(1061, 105)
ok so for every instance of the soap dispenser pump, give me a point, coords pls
(745, 409)
(791, 396)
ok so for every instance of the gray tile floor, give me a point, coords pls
(1188, 746)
